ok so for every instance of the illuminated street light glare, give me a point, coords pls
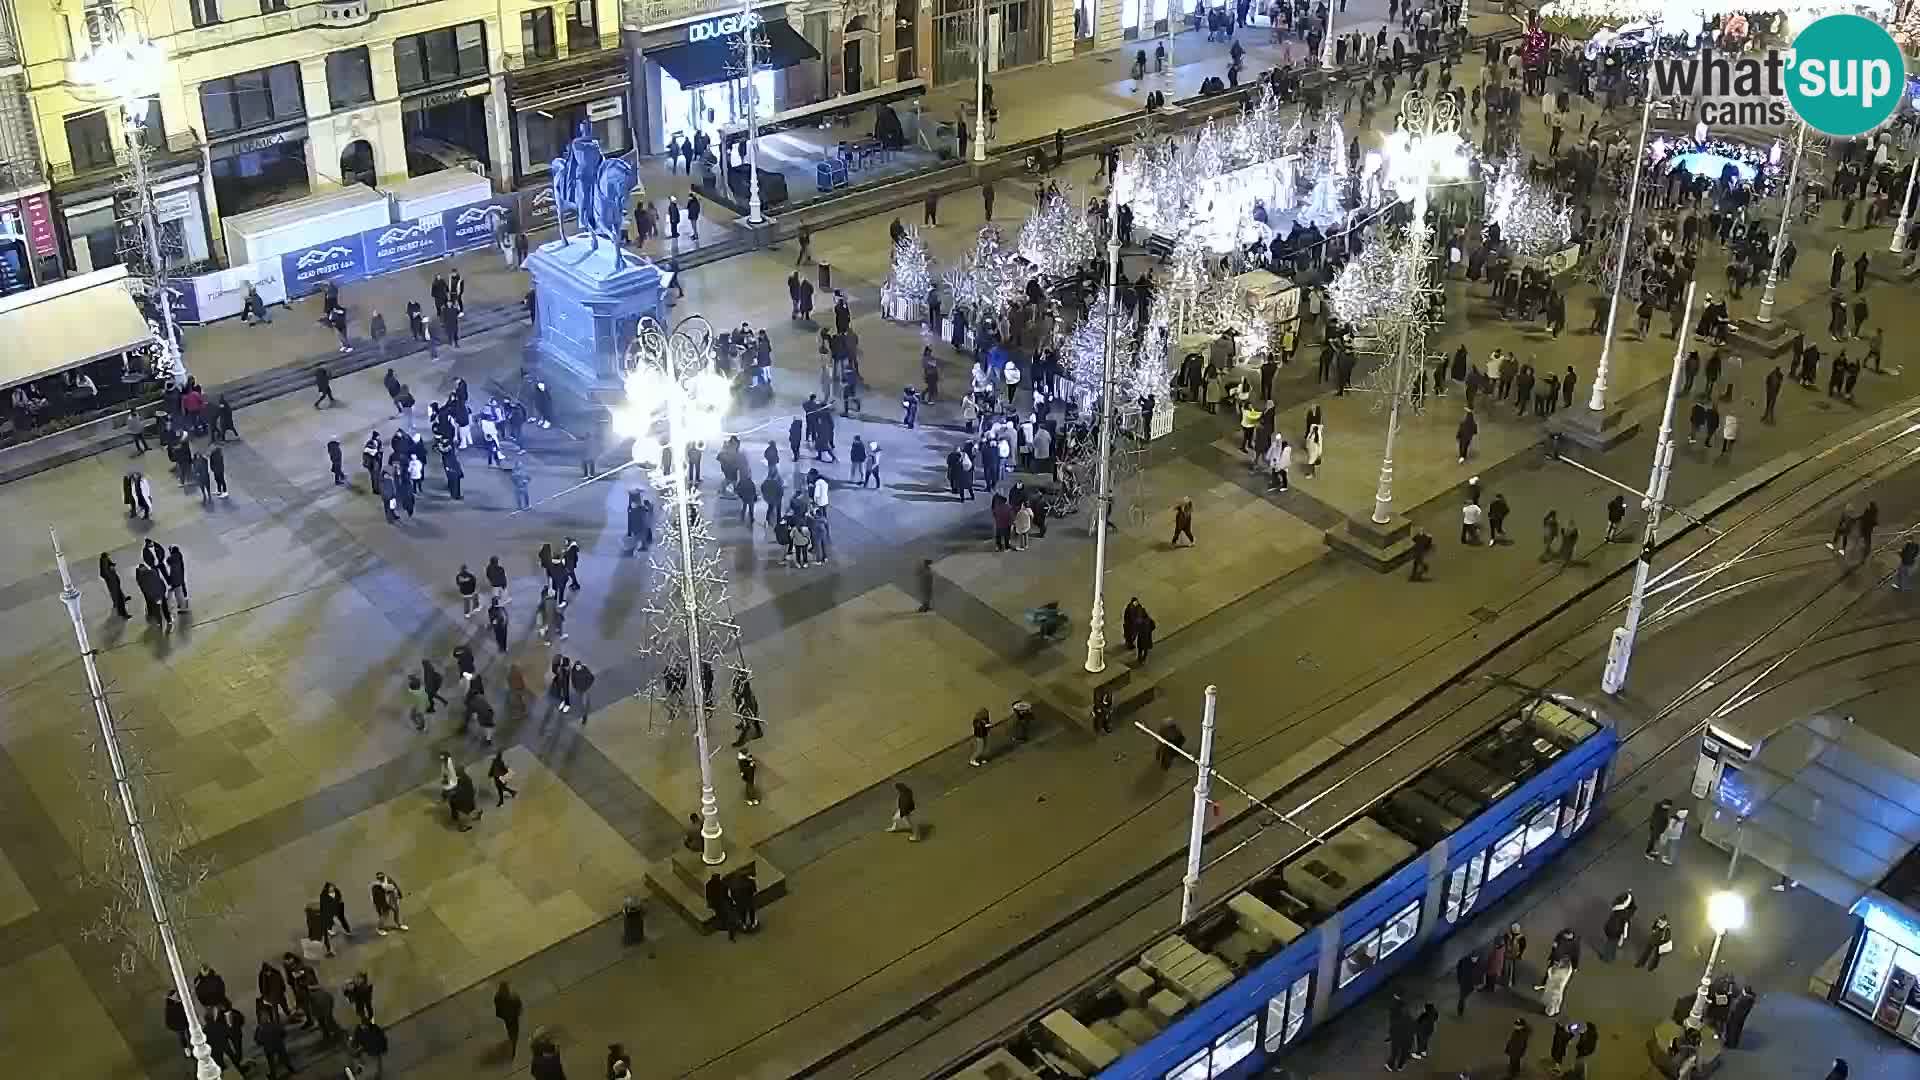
(1726, 911)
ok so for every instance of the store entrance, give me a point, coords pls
(356, 164)
(684, 111)
(448, 136)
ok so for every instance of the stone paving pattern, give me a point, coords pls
(273, 718)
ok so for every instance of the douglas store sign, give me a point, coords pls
(723, 27)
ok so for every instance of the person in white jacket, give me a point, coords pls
(1729, 432)
(1313, 449)
(1279, 460)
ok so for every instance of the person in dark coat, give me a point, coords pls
(1399, 1035)
(460, 801)
(721, 903)
(546, 1056)
(370, 1040)
(1517, 1047)
(333, 907)
(1466, 976)
(175, 1016)
(110, 576)
(270, 1035)
(1737, 1016)
(743, 893)
(1589, 1042)
(273, 989)
(1423, 1026)
(320, 1005)
(359, 993)
(1657, 824)
(507, 1007)
(1563, 1032)
(209, 989)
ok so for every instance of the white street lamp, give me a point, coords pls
(1725, 911)
(1900, 227)
(747, 20)
(126, 66)
(1425, 148)
(672, 384)
(1597, 396)
(1780, 239)
(1620, 647)
(1103, 500)
(980, 84)
(203, 1064)
(1326, 43)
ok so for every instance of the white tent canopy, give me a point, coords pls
(68, 323)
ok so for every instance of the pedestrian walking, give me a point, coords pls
(333, 907)
(1869, 520)
(1470, 515)
(386, 897)
(1423, 1027)
(1616, 513)
(1659, 943)
(417, 703)
(1422, 547)
(370, 1040)
(581, 678)
(1399, 1034)
(359, 993)
(507, 1008)
(270, 1035)
(323, 383)
(903, 807)
(1619, 922)
(982, 724)
(1550, 534)
(1182, 522)
(1464, 433)
(1466, 977)
(110, 576)
(320, 1006)
(501, 774)
(1516, 1048)
(1902, 574)
(1559, 973)
(1657, 824)
(1497, 520)
(217, 465)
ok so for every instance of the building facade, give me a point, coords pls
(29, 250)
(266, 101)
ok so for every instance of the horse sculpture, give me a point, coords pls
(594, 187)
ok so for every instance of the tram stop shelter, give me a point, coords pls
(1833, 806)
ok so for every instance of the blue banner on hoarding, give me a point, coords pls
(308, 269)
(473, 225)
(404, 243)
(184, 301)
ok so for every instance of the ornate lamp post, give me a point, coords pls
(126, 66)
(1425, 148)
(129, 806)
(672, 388)
(1103, 501)
(980, 84)
(1900, 227)
(1725, 911)
(747, 27)
(1780, 239)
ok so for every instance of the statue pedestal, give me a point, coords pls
(590, 298)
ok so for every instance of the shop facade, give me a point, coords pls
(1881, 980)
(97, 220)
(686, 74)
(548, 104)
(29, 243)
(1017, 35)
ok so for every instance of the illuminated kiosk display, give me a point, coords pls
(590, 295)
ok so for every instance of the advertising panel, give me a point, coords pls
(403, 243)
(473, 225)
(309, 268)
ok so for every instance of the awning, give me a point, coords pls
(1825, 802)
(697, 63)
(66, 324)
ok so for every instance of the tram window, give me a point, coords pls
(1582, 805)
(1542, 824)
(1463, 886)
(1506, 852)
(1194, 1068)
(1287, 1012)
(1399, 929)
(1236, 1044)
(1379, 944)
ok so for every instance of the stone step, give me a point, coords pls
(681, 881)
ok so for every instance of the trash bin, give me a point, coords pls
(826, 276)
(633, 922)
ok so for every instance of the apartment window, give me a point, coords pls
(153, 129)
(437, 56)
(583, 26)
(536, 34)
(205, 12)
(90, 141)
(349, 78)
(254, 99)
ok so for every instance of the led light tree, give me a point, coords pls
(1058, 238)
(675, 397)
(1534, 221)
(910, 275)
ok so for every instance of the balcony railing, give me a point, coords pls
(521, 61)
(180, 146)
(9, 37)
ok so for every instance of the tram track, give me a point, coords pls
(998, 997)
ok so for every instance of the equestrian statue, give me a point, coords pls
(594, 187)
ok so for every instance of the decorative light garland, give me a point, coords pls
(1534, 221)
(912, 272)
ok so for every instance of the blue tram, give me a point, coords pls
(1228, 993)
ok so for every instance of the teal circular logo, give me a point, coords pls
(1847, 75)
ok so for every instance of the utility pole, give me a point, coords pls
(1202, 786)
(1620, 648)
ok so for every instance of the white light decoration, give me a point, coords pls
(1534, 221)
(911, 273)
(1424, 149)
(1168, 180)
(675, 397)
(990, 279)
(1058, 237)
